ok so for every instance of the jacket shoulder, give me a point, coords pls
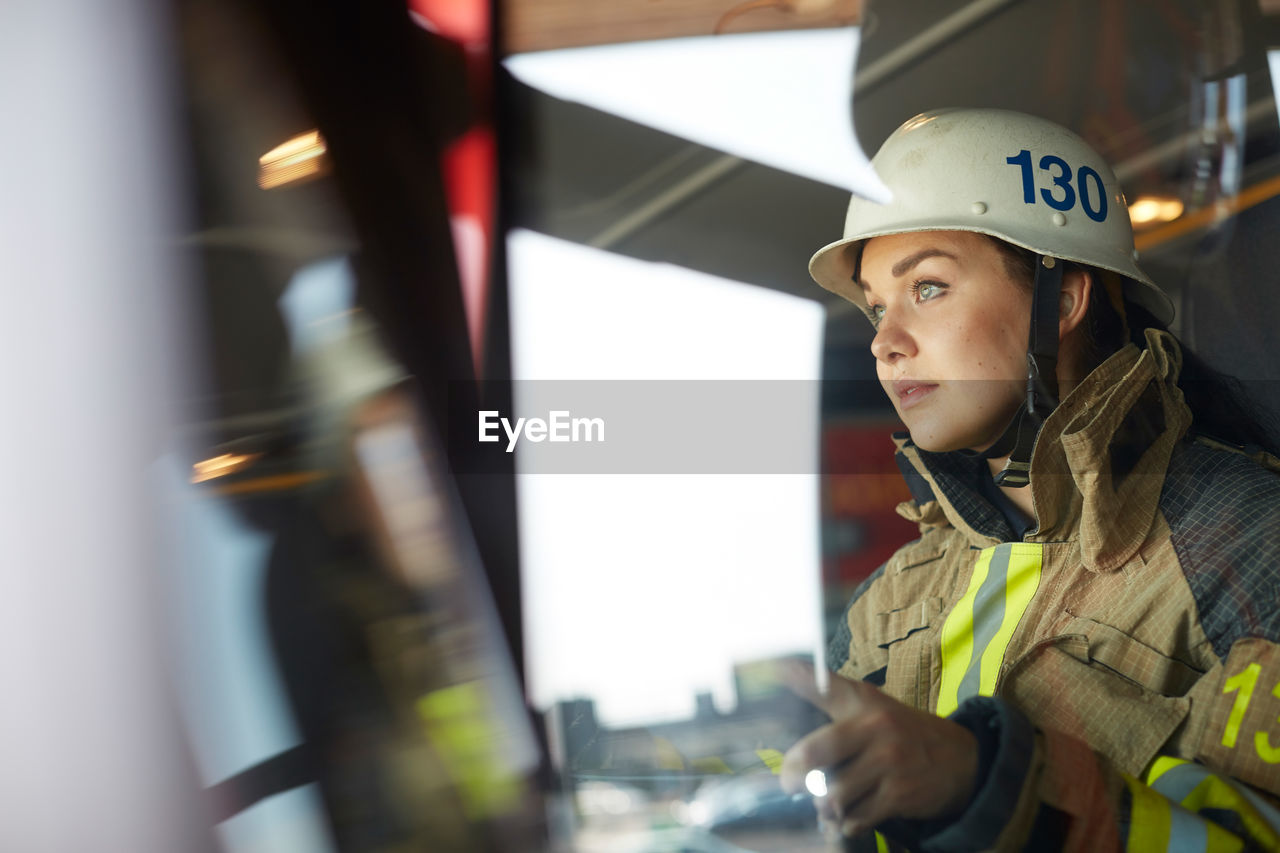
(1223, 512)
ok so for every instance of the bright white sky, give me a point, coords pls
(641, 590)
(781, 98)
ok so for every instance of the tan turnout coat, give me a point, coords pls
(1137, 618)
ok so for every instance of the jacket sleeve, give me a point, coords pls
(842, 639)
(1043, 790)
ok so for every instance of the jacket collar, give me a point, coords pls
(1097, 468)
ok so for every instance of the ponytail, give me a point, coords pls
(1221, 406)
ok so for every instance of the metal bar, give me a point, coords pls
(665, 201)
(1158, 155)
(943, 31)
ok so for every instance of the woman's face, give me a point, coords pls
(951, 335)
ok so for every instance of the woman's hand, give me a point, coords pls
(882, 759)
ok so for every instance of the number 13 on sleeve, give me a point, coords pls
(1243, 684)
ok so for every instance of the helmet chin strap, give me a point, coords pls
(1019, 437)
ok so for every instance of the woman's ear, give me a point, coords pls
(1073, 303)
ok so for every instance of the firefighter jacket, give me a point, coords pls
(1128, 637)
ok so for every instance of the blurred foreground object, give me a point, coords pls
(94, 759)
(341, 649)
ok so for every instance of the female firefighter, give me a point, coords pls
(1081, 649)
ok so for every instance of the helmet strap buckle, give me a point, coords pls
(1042, 373)
(1019, 437)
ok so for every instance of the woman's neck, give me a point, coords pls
(1021, 497)
(1068, 379)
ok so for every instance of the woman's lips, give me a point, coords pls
(911, 391)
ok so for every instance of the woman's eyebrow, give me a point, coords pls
(916, 257)
(907, 263)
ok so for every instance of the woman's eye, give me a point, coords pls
(926, 290)
(875, 313)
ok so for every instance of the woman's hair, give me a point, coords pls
(1220, 406)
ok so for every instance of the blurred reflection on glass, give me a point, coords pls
(346, 681)
(658, 587)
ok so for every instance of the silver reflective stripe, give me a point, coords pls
(1187, 832)
(1177, 783)
(988, 616)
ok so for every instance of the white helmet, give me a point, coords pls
(1022, 179)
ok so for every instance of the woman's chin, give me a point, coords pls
(935, 445)
(930, 438)
(939, 430)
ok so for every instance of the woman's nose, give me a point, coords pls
(892, 340)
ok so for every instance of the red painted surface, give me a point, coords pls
(469, 164)
(861, 489)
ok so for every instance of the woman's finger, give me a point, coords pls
(920, 766)
(842, 697)
(822, 749)
(876, 806)
(850, 784)
(799, 678)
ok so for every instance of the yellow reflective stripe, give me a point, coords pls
(882, 846)
(979, 627)
(1195, 787)
(459, 724)
(1222, 841)
(710, 764)
(1163, 765)
(1214, 792)
(1149, 819)
(957, 638)
(666, 755)
(1023, 580)
(772, 759)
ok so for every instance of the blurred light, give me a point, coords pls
(604, 798)
(220, 466)
(300, 157)
(1150, 209)
(698, 813)
(1208, 216)
(815, 781)
(783, 99)
(466, 21)
(1273, 65)
(318, 305)
(273, 483)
